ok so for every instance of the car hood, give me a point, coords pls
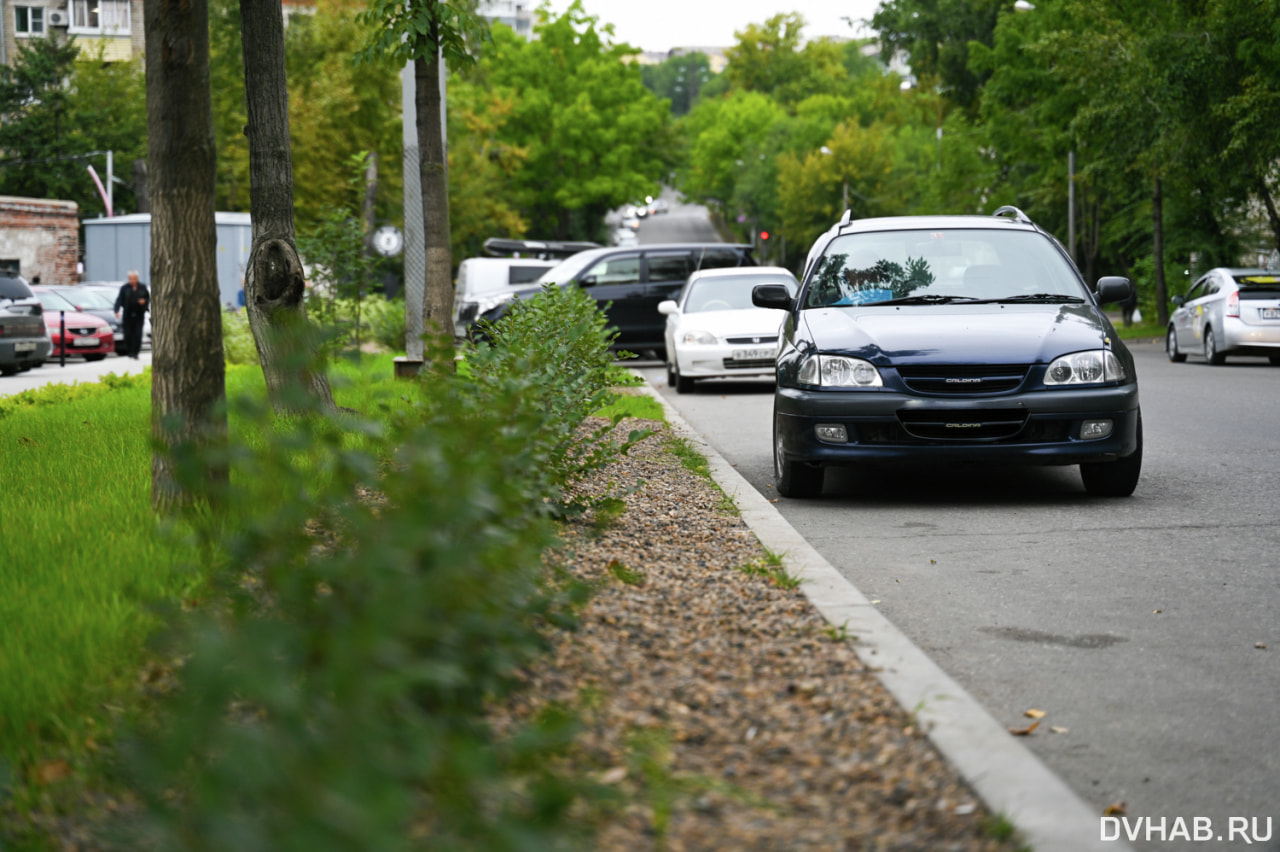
(756, 322)
(958, 334)
(51, 319)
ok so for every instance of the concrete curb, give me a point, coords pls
(1002, 771)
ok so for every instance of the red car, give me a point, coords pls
(86, 335)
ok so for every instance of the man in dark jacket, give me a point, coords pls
(135, 300)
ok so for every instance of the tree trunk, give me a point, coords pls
(140, 193)
(437, 309)
(274, 285)
(369, 208)
(1273, 217)
(1157, 246)
(188, 373)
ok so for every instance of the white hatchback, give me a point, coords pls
(713, 330)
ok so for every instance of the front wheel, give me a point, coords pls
(1211, 352)
(794, 479)
(1171, 347)
(677, 381)
(1114, 479)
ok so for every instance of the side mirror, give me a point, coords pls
(587, 281)
(771, 296)
(1178, 301)
(1113, 288)
(668, 307)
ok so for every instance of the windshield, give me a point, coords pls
(88, 298)
(726, 293)
(13, 289)
(958, 264)
(569, 269)
(54, 302)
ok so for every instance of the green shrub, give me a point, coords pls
(237, 338)
(384, 581)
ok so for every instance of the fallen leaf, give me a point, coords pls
(1033, 713)
(1261, 646)
(1116, 809)
(933, 562)
(614, 775)
(1156, 611)
(1058, 729)
(1022, 732)
(54, 770)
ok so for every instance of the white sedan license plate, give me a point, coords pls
(85, 341)
(1269, 313)
(24, 346)
(752, 354)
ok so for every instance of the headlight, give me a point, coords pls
(1085, 368)
(837, 371)
(698, 338)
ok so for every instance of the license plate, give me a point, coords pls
(752, 354)
(24, 346)
(85, 341)
(1269, 313)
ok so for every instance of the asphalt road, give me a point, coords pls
(77, 370)
(1137, 625)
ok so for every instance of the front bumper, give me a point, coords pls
(718, 361)
(1036, 428)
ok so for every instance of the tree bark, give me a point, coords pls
(437, 309)
(188, 373)
(274, 284)
(1157, 247)
(1273, 217)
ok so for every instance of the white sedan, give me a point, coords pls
(713, 330)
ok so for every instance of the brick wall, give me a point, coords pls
(43, 236)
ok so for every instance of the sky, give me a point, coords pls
(659, 25)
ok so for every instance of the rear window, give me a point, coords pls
(14, 288)
(1259, 285)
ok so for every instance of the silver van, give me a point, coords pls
(24, 340)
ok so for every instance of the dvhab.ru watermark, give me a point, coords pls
(1245, 830)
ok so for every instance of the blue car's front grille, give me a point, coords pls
(951, 379)
(970, 425)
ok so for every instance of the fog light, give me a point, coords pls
(1093, 429)
(831, 433)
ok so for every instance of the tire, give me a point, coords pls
(1114, 479)
(1171, 347)
(677, 381)
(1274, 360)
(1211, 353)
(794, 479)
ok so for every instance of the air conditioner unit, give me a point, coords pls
(58, 17)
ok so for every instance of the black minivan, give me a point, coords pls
(630, 281)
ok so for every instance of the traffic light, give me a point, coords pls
(764, 235)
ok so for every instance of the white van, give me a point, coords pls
(484, 282)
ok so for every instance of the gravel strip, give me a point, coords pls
(756, 725)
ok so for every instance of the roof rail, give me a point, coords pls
(1018, 215)
(544, 249)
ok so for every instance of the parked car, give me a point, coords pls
(1227, 312)
(24, 342)
(938, 339)
(714, 331)
(86, 335)
(110, 290)
(484, 282)
(628, 282)
(89, 300)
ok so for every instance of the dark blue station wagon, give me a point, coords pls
(940, 339)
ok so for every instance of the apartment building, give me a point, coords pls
(113, 27)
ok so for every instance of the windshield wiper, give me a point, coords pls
(927, 299)
(1053, 298)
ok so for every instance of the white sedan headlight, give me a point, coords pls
(838, 371)
(698, 338)
(1085, 368)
